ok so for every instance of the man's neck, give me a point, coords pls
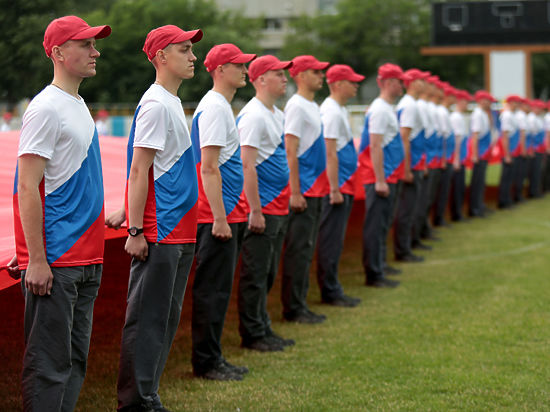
(384, 95)
(67, 83)
(169, 82)
(341, 100)
(267, 99)
(225, 90)
(306, 93)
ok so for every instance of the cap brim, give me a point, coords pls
(282, 65)
(193, 35)
(97, 32)
(356, 78)
(320, 66)
(243, 58)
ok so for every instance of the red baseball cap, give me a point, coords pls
(513, 98)
(433, 79)
(225, 53)
(390, 71)
(306, 62)
(7, 116)
(414, 74)
(483, 94)
(343, 72)
(464, 95)
(264, 64)
(539, 103)
(161, 37)
(71, 28)
(450, 90)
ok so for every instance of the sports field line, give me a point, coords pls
(483, 256)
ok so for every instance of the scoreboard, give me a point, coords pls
(490, 23)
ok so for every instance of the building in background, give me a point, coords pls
(277, 16)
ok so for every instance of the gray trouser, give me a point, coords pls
(57, 338)
(406, 215)
(155, 297)
(332, 232)
(216, 262)
(442, 197)
(458, 187)
(299, 247)
(535, 175)
(419, 225)
(477, 188)
(260, 264)
(520, 172)
(429, 186)
(505, 186)
(375, 229)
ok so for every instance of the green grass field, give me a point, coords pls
(467, 330)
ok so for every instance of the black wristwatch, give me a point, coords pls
(134, 231)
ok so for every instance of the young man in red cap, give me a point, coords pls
(448, 146)
(161, 202)
(343, 83)
(460, 131)
(520, 169)
(222, 210)
(381, 165)
(412, 131)
(306, 155)
(260, 125)
(480, 126)
(59, 221)
(421, 226)
(535, 181)
(509, 141)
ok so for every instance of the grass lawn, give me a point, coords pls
(467, 330)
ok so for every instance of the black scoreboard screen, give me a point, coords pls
(491, 23)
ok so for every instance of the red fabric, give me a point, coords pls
(113, 157)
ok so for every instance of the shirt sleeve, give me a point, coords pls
(39, 132)
(476, 123)
(522, 123)
(409, 116)
(251, 130)
(457, 125)
(213, 129)
(506, 124)
(333, 125)
(152, 125)
(294, 120)
(378, 122)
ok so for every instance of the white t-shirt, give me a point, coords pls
(532, 124)
(508, 122)
(161, 125)
(521, 119)
(409, 115)
(434, 117)
(444, 121)
(547, 121)
(422, 106)
(261, 128)
(480, 122)
(170, 214)
(458, 124)
(335, 120)
(303, 120)
(58, 127)
(217, 125)
(383, 120)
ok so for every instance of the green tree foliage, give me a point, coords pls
(367, 33)
(123, 71)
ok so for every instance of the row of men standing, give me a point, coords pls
(267, 179)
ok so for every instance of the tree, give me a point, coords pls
(124, 72)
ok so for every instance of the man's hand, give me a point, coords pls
(256, 222)
(13, 268)
(336, 197)
(408, 177)
(474, 159)
(221, 230)
(507, 160)
(456, 164)
(137, 247)
(298, 203)
(116, 219)
(382, 189)
(39, 278)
